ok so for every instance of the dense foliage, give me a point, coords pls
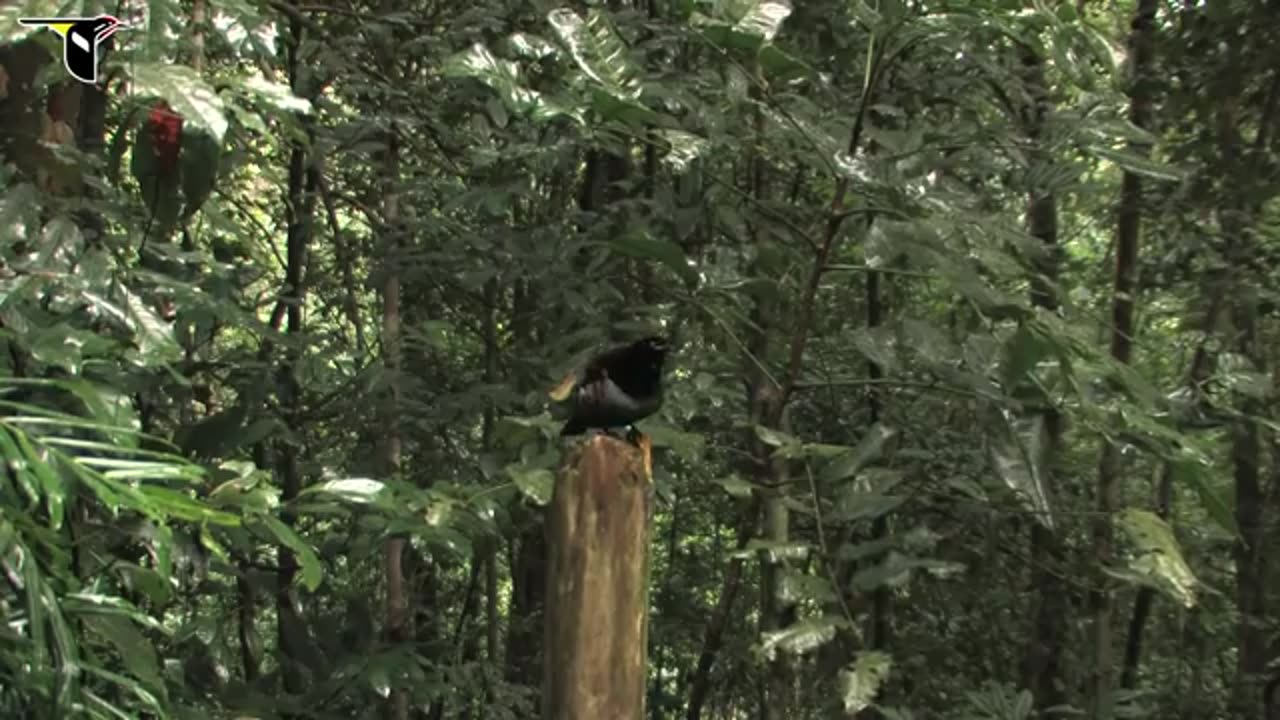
(971, 411)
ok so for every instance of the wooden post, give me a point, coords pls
(597, 613)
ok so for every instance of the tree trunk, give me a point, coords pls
(1128, 233)
(1042, 659)
(294, 638)
(713, 638)
(1249, 551)
(597, 617)
(1196, 376)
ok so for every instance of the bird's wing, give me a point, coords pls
(561, 391)
(594, 369)
(589, 375)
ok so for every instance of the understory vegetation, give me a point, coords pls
(971, 409)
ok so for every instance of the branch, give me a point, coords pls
(801, 337)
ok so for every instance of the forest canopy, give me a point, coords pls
(970, 313)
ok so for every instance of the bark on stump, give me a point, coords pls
(597, 613)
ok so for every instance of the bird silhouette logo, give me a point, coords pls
(81, 38)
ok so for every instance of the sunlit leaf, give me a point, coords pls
(185, 91)
(651, 248)
(138, 654)
(1135, 163)
(503, 76)
(682, 148)
(775, 550)
(869, 450)
(736, 486)
(51, 484)
(802, 637)
(597, 50)
(775, 438)
(356, 490)
(1018, 455)
(861, 681)
(308, 561)
(182, 505)
(1158, 557)
(275, 94)
(536, 483)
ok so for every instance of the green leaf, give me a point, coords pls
(861, 681)
(799, 587)
(120, 140)
(185, 507)
(154, 336)
(529, 46)
(201, 155)
(60, 245)
(802, 637)
(775, 438)
(638, 245)
(1138, 164)
(503, 76)
(1022, 353)
(869, 450)
(1017, 453)
(1236, 372)
(211, 543)
(764, 19)
(1199, 477)
(215, 435)
(858, 506)
(875, 344)
(186, 92)
(11, 31)
(146, 581)
(775, 550)
(780, 67)
(536, 483)
(145, 696)
(597, 50)
(746, 27)
(357, 490)
(108, 407)
(736, 486)
(379, 679)
(308, 561)
(895, 569)
(51, 485)
(161, 193)
(682, 149)
(20, 206)
(275, 94)
(1159, 560)
(137, 653)
(17, 464)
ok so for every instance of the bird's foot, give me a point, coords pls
(608, 432)
(634, 436)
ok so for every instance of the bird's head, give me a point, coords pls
(655, 348)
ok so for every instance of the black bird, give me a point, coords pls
(616, 388)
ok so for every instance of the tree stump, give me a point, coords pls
(597, 613)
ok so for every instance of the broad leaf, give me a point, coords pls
(1159, 560)
(802, 637)
(536, 483)
(1018, 456)
(861, 681)
(186, 92)
(308, 562)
